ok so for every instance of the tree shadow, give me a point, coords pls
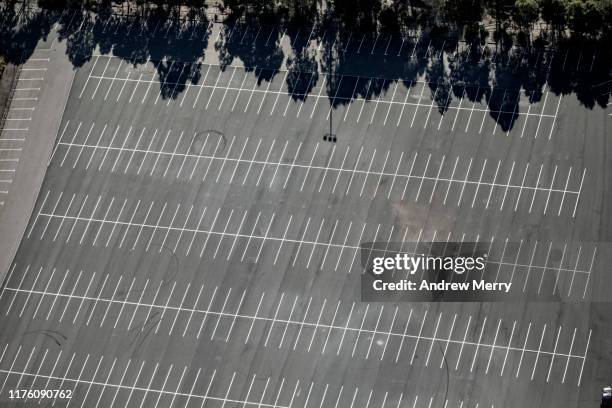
(591, 85)
(21, 29)
(302, 71)
(155, 37)
(264, 61)
(493, 74)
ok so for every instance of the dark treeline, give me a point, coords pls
(585, 18)
(464, 48)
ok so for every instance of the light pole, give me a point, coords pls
(330, 136)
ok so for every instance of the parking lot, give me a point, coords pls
(386, 101)
(15, 130)
(196, 239)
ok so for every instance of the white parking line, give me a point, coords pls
(316, 321)
(347, 98)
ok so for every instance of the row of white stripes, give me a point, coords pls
(135, 392)
(22, 104)
(234, 157)
(359, 43)
(259, 391)
(279, 234)
(248, 92)
(565, 264)
(189, 74)
(354, 325)
(352, 42)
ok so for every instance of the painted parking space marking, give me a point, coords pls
(221, 83)
(127, 382)
(409, 45)
(22, 102)
(496, 186)
(190, 232)
(313, 324)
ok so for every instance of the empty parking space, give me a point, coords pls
(536, 268)
(411, 46)
(21, 107)
(351, 171)
(198, 237)
(104, 380)
(394, 334)
(358, 100)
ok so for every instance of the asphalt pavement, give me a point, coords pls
(196, 242)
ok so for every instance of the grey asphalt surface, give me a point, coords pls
(34, 114)
(200, 249)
